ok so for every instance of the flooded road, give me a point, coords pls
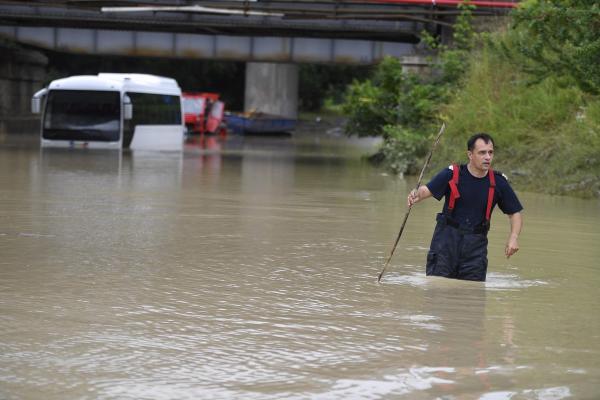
(249, 272)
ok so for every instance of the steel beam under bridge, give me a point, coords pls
(213, 47)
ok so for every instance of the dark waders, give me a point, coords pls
(456, 252)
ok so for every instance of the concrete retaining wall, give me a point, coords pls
(22, 73)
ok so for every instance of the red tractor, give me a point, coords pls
(203, 113)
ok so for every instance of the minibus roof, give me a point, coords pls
(139, 83)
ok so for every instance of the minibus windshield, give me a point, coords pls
(82, 115)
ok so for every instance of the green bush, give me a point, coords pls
(392, 97)
(367, 110)
(402, 149)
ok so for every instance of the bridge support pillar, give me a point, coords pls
(272, 88)
(22, 73)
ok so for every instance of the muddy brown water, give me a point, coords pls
(247, 270)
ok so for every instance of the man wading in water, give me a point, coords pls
(459, 244)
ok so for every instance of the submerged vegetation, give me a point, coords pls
(535, 88)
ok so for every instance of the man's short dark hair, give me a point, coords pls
(483, 136)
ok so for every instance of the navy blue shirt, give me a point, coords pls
(469, 209)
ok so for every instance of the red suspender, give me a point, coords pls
(488, 211)
(454, 194)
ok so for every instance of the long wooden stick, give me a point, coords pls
(437, 140)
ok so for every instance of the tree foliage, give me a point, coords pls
(560, 38)
(401, 106)
(390, 97)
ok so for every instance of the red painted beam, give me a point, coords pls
(478, 3)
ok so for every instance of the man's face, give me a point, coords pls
(482, 155)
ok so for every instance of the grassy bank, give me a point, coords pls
(547, 136)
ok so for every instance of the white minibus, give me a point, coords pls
(110, 110)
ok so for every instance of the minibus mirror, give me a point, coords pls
(36, 101)
(36, 105)
(127, 108)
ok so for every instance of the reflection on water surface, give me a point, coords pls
(248, 271)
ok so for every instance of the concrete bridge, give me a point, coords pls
(272, 36)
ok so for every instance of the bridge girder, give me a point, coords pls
(338, 19)
(213, 47)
